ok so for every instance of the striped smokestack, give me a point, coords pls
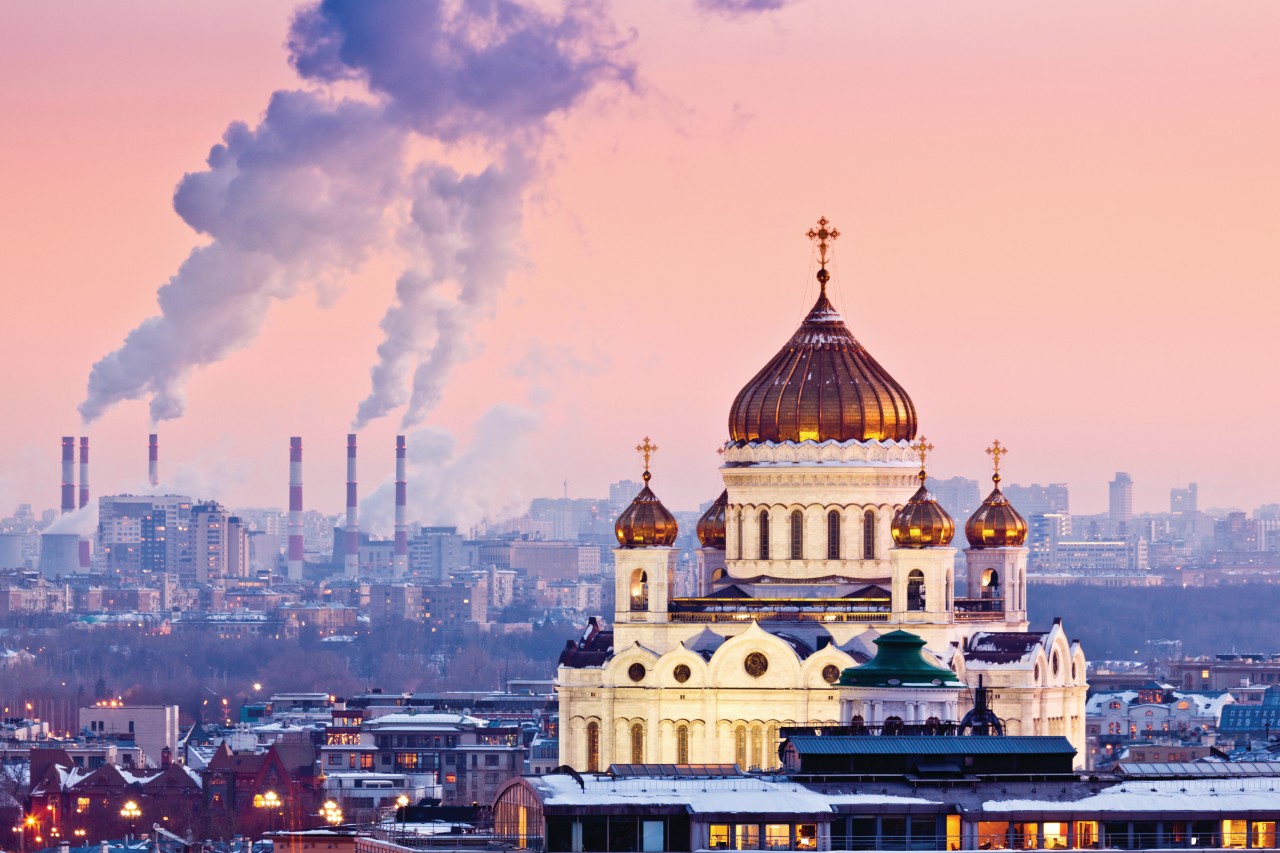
(68, 473)
(85, 553)
(351, 535)
(401, 564)
(84, 471)
(295, 508)
(153, 459)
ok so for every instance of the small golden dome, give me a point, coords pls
(711, 525)
(646, 522)
(922, 522)
(996, 524)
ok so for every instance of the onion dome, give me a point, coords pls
(922, 522)
(711, 525)
(822, 385)
(899, 662)
(646, 522)
(996, 524)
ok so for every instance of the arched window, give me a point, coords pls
(637, 744)
(593, 747)
(740, 747)
(797, 535)
(639, 590)
(868, 535)
(915, 590)
(892, 726)
(833, 535)
(764, 534)
(858, 724)
(757, 747)
(682, 744)
(739, 534)
(990, 583)
(771, 747)
(718, 574)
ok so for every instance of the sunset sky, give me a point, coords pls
(1061, 228)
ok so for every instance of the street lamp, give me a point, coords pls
(270, 801)
(331, 813)
(131, 813)
(403, 802)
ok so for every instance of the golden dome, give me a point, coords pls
(646, 522)
(922, 522)
(996, 524)
(822, 385)
(711, 525)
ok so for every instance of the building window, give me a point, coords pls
(915, 590)
(764, 534)
(797, 535)
(868, 535)
(833, 535)
(639, 590)
(990, 583)
(757, 747)
(740, 747)
(739, 514)
(682, 744)
(593, 747)
(637, 744)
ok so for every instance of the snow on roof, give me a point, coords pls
(387, 720)
(1211, 796)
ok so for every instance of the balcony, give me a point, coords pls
(722, 610)
(979, 609)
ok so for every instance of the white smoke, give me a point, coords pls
(307, 194)
(458, 486)
(82, 521)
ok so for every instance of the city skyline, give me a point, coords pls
(1054, 224)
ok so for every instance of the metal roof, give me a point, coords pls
(674, 771)
(929, 745)
(1200, 769)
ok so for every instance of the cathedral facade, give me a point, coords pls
(824, 541)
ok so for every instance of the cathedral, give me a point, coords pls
(829, 592)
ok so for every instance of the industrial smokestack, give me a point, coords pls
(295, 508)
(351, 535)
(153, 459)
(59, 554)
(68, 473)
(401, 564)
(84, 471)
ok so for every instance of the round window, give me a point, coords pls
(756, 664)
(681, 673)
(636, 671)
(831, 673)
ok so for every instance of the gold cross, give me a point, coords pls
(646, 449)
(822, 235)
(996, 450)
(922, 448)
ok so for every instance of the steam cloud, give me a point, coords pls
(308, 194)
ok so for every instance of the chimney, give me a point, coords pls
(402, 527)
(295, 508)
(68, 473)
(84, 471)
(351, 535)
(153, 459)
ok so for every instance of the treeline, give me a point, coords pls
(1115, 623)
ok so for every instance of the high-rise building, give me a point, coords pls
(959, 495)
(1036, 499)
(209, 557)
(435, 554)
(1183, 500)
(1121, 505)
(139, 534)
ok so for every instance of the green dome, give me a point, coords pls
(899, 663)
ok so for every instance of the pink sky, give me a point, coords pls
(1061, 229)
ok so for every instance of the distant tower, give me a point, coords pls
(1121, 498)
(295, 508)
(1183, 500)
(351, 534)
(86, 553)
(68, 473)
(153, 459)
(401, 565)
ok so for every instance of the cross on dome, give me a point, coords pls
(922, 448)
(995, 451)
(646, 449)
(822, 235)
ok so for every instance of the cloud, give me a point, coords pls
(737, 8)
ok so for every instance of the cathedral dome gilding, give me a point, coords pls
(922, 522)
(711, 526)
(646, 522)
(995, 523)
(822, 385)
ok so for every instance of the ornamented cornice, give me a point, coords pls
(888, 454)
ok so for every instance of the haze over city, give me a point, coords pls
(1058, 228)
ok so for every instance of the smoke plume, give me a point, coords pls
(309, 193)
